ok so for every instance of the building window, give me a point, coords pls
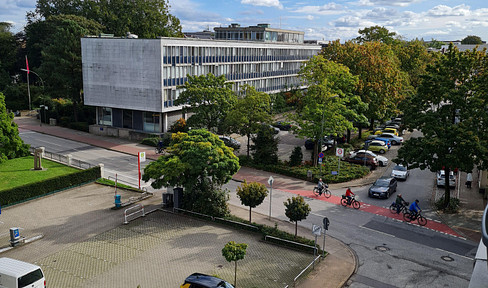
(105, 116)
(151, 122)
(127, 119)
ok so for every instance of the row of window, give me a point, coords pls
(226, 59)
(190, 51)
(268, 36)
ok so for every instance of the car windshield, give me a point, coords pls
(382, 182)
(400, 168)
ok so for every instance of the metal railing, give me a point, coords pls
(139, 207)
(64, 159)
(312, 264)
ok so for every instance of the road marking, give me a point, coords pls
(450, 253)
(377, 231)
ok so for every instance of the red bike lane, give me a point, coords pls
(377, 210)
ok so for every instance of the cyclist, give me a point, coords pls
(414, 208)
(349, 195)
(321, 185)
(160, 145)
(400, 202)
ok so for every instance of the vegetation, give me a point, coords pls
(234, 252)
(449, 109)
(265, 147)
(210, 99)
(199, 162)
(378, 34)
(252, 194)
(179, 126)
(296, 210)
(296, 156)
(11, 145)
(471, 39)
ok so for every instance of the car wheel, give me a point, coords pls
(382, 151)
(393, 142)
(388, 195)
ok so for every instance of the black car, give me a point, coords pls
(383, 187)
(327, 143)
(230, 142)
(199, 280)
(285, 126)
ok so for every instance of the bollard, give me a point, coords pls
(118, 201)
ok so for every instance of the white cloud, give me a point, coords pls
(443, 10)
(195, 26)
(191, 11)
(265, 3)
(327, 9)
(400, 3)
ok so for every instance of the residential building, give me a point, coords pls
(133, 82)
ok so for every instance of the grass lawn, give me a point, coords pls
(17, 172)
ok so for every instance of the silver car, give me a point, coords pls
(400, 172)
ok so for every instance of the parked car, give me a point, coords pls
(395, 140)
(381, 160)
(363, 159)
(387, 130)
(376, 146)
(230, 142)
(285, 126)
(386, 140)
(327, 143)
(273, 129)
(441, 179)
(400, 172)
(383, 187)
(198, 280)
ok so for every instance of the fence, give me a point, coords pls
(64, 159)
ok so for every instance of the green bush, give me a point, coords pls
(151, 141)
(453, 206)
(41, 188)
(296, 156)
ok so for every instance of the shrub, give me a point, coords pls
(151, 141)
(296, 156)
(265, 147)
(179, 126)
(453, 206)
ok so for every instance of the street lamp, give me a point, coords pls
(28, 86)
(322, 132)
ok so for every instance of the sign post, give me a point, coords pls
(141, 158)
(316, 231)
(270, 182)
(340, 154)
(321, 155)
(326, 227)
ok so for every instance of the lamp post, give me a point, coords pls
(28, 86)
(322, 132)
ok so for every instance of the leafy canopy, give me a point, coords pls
(11, 145)
(252, 194)
(296, 210)
(472, 39)
(376, 33)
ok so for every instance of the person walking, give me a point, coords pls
(469, 180)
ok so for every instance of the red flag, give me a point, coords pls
(27, 64)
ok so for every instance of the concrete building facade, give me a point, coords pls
(133, 82)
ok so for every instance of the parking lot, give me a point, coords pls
(85, 244)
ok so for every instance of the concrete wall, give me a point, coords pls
(122, 73)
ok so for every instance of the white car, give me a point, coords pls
(400, 172)
(441, 179)
(382, 161)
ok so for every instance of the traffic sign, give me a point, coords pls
(270, 180)
(326, 223)
(340, 152)
(316, 230)
(321, 155)
(320, 160)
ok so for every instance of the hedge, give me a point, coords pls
(26, 192)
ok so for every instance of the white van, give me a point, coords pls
(19, 274)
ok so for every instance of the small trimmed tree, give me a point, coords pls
(296, 210)
(296, 156)
(234, 252)
(252, 194)
(265, 147)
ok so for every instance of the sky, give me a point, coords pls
(444, 20)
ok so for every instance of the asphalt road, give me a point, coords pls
(390, 253)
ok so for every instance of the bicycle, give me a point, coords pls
(159, 150)
(394, 209)
(420, 219)
(353, 202)
(317, 192)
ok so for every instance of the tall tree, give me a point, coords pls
(251, 111)
(382, 84)
(11, 145)
(210, 99)
(471, 39)
(450, 110)
(376, 33)
(251, 194)
(146, 18)
(414, 58)
(234, 252)
(265, 146)
(201, 163)
(324, 107)
(61, 58)
(296, 210)
(8, 54)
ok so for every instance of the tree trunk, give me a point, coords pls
(249, 214)
(348, 136)
(371, 124)
(235, 275)
(296, 227)
(315, 154)
(248, 141)
(447, 188)
(360, 131)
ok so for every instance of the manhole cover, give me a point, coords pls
(447, 258)
(382, 248)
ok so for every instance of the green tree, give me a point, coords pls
(296, 210)
(265, 147)
(414, 58)
(146, 18)
(376, 33)
(296, 156)
(324, 107)
(8, 54)
(11, 145)
(449, 109)
(199, 162)
(436, 44)
(382, 84)
(471, 39)
(210, 99)
(252, 194)
(251, 111)
(233, 251)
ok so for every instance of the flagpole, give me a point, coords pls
(139, 168)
